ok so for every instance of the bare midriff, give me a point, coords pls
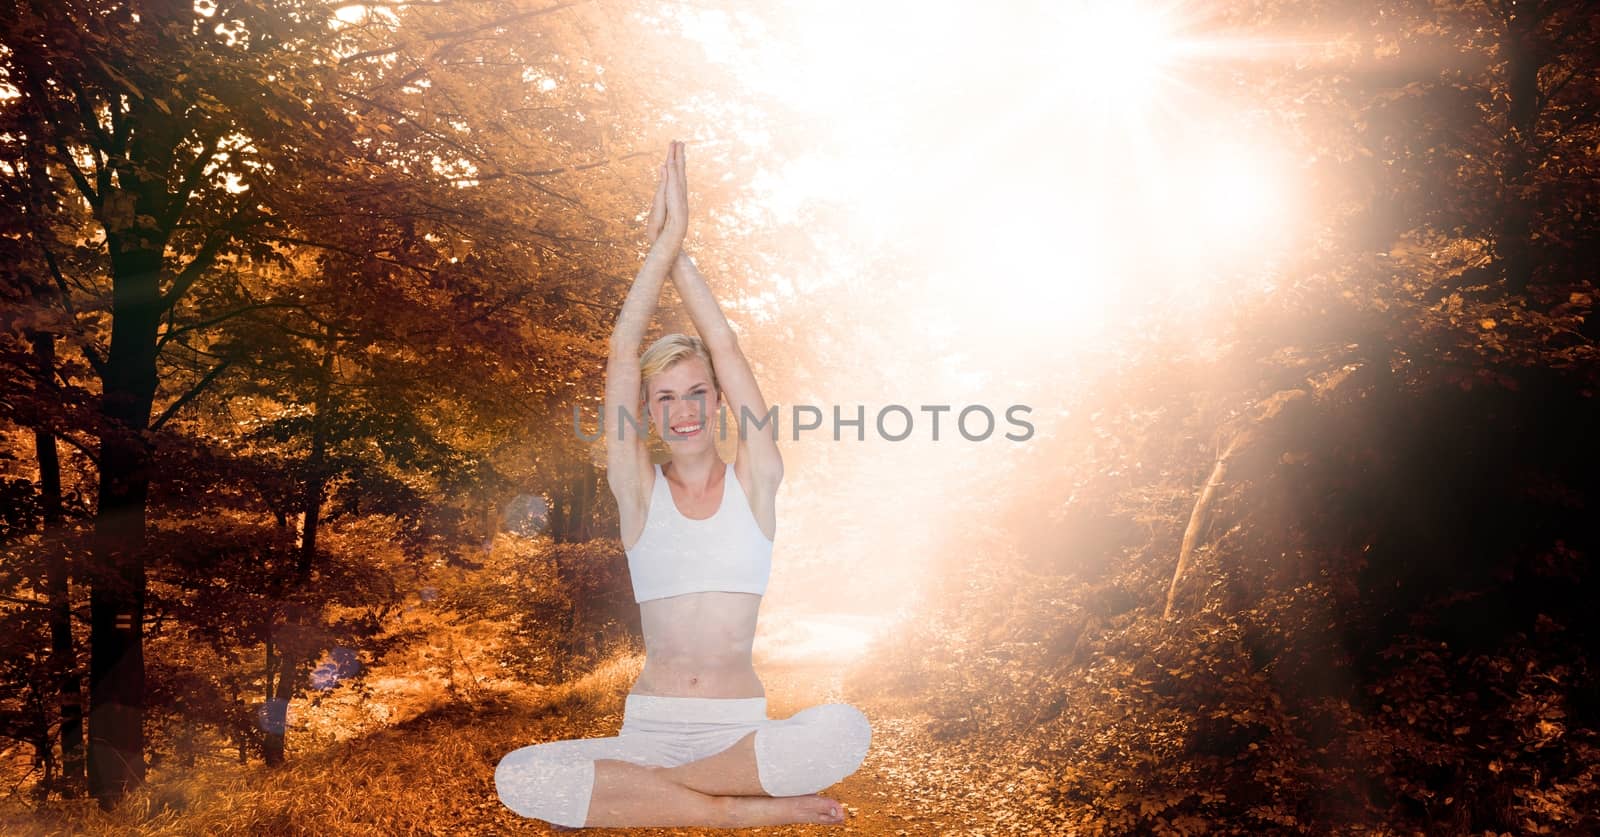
(699, 645)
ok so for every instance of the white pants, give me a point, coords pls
(804, 753)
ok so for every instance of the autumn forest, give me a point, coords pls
(304, 321)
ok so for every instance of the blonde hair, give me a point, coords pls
(666, 352)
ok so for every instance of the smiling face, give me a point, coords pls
(682, 398)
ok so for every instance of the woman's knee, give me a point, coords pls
(848, 727)
(546, 783)
(812, 750)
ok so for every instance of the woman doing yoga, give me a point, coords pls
(696, 747)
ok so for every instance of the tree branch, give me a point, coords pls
(196, 266)
(180, 200)
(29, 77)
(83, 447)
(582, 166)
(193, 391)
(204, 258)
(444, 36)
(206, 323)
(38, 603)
(88, 191)
(86, 113)
(287, 239)
(246, 362)
(1545, 97)
(95, 361)
(475, 157)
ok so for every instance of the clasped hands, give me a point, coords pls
(668, 221)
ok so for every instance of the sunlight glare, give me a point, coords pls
(1113, 55)
(1034, 178)
(1241, 195)
(351, 14)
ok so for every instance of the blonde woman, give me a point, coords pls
(696, 747)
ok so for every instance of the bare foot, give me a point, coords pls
(746, 811)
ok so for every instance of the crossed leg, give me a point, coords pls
(785, 761)
(733, 777)
(731, 772)
(627, 794)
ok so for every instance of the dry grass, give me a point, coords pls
(433, 774)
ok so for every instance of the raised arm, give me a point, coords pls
(758, 432)
(627, 451)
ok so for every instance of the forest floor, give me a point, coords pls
(434, 774)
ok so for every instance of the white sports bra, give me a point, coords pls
(676, 555)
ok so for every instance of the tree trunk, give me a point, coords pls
(292, 655)
(1191, 535)
(316, 476)
(572, 507)
(588, 485)
(63, 653)
(280, 690)
(1513, 241)
(558, 517)
(270, 750)
(493, 515)
(117, 570)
